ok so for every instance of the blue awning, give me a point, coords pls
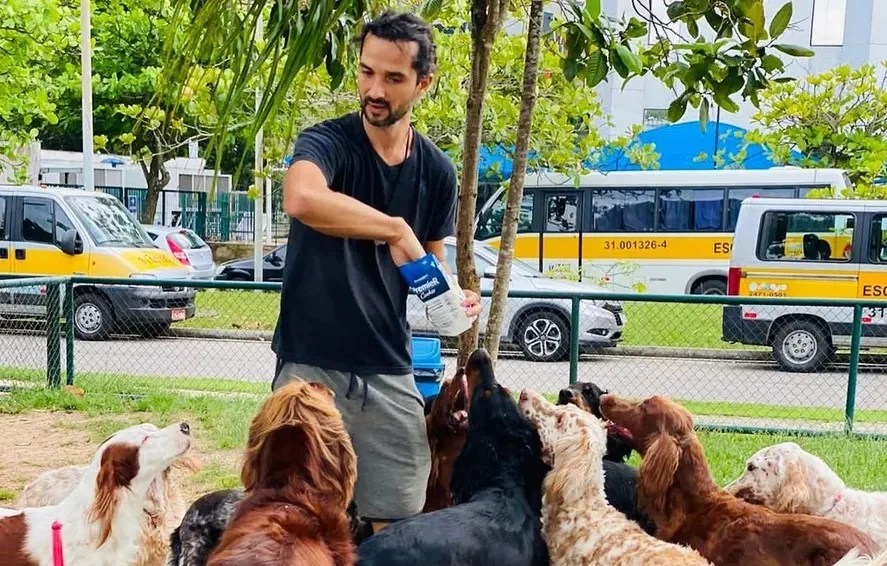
(678, 146)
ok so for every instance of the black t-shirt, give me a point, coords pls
(343, 303)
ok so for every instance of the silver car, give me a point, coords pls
(186, 246)
(539, 327)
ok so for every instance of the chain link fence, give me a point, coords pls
(736, 363)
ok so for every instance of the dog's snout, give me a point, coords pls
(565, 395)
(185, 428)
(523, 395)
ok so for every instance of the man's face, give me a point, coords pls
(387, 82)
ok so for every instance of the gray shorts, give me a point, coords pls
(385, 417)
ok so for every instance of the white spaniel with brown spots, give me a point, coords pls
(786, 478)
(579, 526)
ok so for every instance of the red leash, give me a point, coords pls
(58, 558)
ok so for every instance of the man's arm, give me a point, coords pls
(307, 197)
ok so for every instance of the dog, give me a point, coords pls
(447, 426)
(677, 491)
(787, 479)
(298, 474)
(587, 396)
(100, 520)
(207, 518)
(163, 511)
(497, 492)
(580, 527)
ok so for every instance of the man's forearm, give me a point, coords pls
(340, 215)
(307, 198)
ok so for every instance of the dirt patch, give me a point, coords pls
(37, 441)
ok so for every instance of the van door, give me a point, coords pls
(37, 251)
(5, 236)
(873, 280)
(561, 230)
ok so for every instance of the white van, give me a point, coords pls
(816, 248)
(68, 232)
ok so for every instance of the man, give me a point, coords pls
(368, 193)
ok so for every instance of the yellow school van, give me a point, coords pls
(810, 248)
(68, 232)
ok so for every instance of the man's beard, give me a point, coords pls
(392, 118)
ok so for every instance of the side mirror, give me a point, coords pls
(489, 272)
(274, 259)
(71, 243)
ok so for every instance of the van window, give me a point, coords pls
(623, 210)
(681, 210)
(878, 247)
(562, 213)
(2, 218)
(108, 223)
(62, 224)
(736, 196)
(37, 222)
(806, 236)
(490, 225)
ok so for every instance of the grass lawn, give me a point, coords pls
(67, 428)
(649, 324)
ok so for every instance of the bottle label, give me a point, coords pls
(441, 295)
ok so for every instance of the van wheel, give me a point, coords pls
(710, 287)
(92, 317)
(802, 346)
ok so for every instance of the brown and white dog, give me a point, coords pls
(100, 519)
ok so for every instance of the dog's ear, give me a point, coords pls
(795, 495)
(657, 470)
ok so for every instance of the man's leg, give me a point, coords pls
(385, 417)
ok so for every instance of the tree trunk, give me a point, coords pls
(156, 178)
(487, 17)
(499, 299)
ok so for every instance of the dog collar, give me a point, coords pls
(837, 499)
(58, 558)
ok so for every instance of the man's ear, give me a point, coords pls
(425, 83)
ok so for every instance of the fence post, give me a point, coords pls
(574, 339)
(53, 335)
(69, 331)
(854, 369)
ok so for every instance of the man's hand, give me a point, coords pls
(405, 246)
(471, 303)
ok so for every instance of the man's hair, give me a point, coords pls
(405, 27)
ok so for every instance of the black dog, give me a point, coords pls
(497, 488)
(587, 396)
(191, 543)
(620, 487)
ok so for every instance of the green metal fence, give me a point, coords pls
(739, 364)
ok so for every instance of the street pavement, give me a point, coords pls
(181, 359)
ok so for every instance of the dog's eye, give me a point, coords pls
(751, 467)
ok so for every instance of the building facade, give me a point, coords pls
(839, 31)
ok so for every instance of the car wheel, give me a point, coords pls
(710, 287)
(92, 317)
(544, 336)
(802, 346)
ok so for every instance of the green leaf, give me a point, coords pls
(693, 28)
(703, 114)
(772, 63)
(780, 20)
(629, 58)
(725, 102)
(596, 69)
(756, 15)
(678, 108)
(431, 9)
(731, 83)
(593, 9)
(794, 50)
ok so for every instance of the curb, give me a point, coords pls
(626, 351)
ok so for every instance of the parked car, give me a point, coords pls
(186, 246)
(539, 327)
(244, 269)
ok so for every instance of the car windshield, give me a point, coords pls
(108, 223)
